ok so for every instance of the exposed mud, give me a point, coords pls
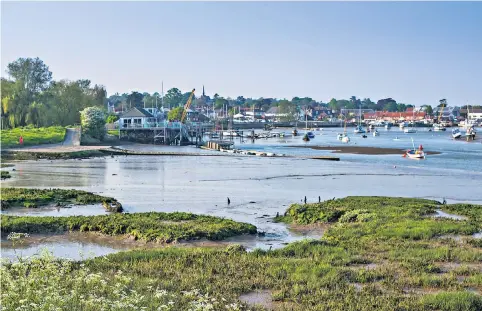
(361, 150)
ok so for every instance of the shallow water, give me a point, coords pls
(202, 184)
(442, 214)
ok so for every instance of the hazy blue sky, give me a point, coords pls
(415, 53)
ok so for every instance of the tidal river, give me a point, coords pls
(257, 187)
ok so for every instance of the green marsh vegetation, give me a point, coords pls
(158, 227)
(378, 254)
(32, 136)
(5, 174)
(33, 198)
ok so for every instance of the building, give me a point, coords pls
(395, 116)
(136, 117)
(474, 114)
(355, 112)
(446, 113)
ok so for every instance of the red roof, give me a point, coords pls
(395, 115)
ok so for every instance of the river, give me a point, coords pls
(258, 187)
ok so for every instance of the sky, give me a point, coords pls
(416, 53)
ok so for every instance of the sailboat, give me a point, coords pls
(308, 134)
(359, 129)
(411, 130)
(343, 136)
(415, 154)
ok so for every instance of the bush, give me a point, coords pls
(93, 122)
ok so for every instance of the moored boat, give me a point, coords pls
(376, 133)
(456, 133)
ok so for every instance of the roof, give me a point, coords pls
(137, 113)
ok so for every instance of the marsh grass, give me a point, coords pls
(361, 263)
(157, 227)
(5, 175)
(32, 136)
(33, 198)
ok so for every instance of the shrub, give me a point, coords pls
(93, 122)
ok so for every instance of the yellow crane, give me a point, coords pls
(187, 105)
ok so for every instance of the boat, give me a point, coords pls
(359, 129)
(415, 154)
(388, 126)
(438, 127)
(371, 126)
(306, 138)
(343, 137)
(410, 130)
(230, 133)
(403, 125)
(310, 135)
(376, 133)
(470, 133)
(295, 132)
(456, 133)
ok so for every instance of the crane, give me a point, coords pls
(187, 105)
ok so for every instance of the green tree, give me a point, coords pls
(135, 99)
(93, 122)
(111, 118)
(220, 103)
(31, 73)
(173, 98)
(333, 104)
(390, 106)
(288, 110)
(175, 114)
(428, 109)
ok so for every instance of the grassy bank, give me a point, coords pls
(33, 198)
(378, 254)
(159, 227)
(32, 136)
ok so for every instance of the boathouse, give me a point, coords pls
(136, 118)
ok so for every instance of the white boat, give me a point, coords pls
(470, 133)
(403, 125)
(270, 154)
(345, 139)
(376, 133)
(456, 133)
(438, 127)
(230, 133)
(415, 154)
(409, 130)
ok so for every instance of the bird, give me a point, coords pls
(229, 201)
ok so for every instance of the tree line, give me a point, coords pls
(30, 97)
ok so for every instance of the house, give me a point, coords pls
(136, 117)
(474, 114)
(446, 113)
(394, 116)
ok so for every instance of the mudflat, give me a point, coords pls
(361, 150)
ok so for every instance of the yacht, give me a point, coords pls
(456, 133)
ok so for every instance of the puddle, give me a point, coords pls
(477, 235)
(369, 266)
(259, 298)
(442, 214)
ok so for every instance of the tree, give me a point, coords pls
(333, 104)
(428, 109)
(135, 99)
(111, 118)
(220, 103)
(93, 122)
(390, 106)
(175, 114)
(173, 98)
(382, 102)
(288, 110)
(31, 73)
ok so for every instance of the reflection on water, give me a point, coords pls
(442, 214)
(73, 210)
(265, 186)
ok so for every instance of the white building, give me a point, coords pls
(136, 117)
